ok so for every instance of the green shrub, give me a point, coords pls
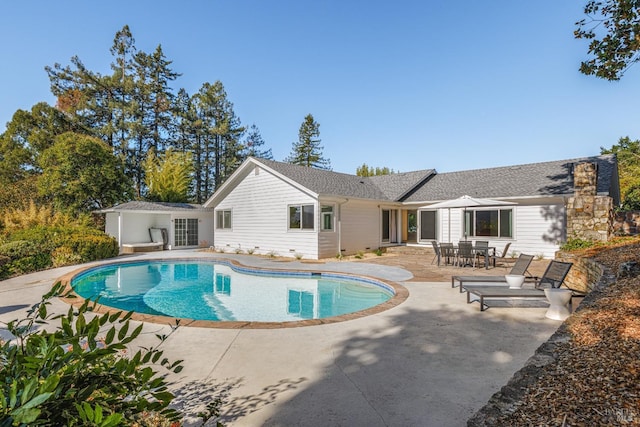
(42, 247)
(64, 255)
(92, 247)
(22, 257)
(19, 249)
(575, 244)
(78, 374)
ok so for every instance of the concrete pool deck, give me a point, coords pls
(433, 360)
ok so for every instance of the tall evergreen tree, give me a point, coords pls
(307, 151)
(216, 147)
(366, 170)
(253, 145)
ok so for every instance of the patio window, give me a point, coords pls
(223, 219)
(301, 217)
(326, 212)
(489, 223)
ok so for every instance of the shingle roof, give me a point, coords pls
(156, 207)
(320, 181)
(534, 179)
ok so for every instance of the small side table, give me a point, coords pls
(558, 301)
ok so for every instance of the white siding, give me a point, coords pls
(538, 229)
(360, 226)
(259, 205)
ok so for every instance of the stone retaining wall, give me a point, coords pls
(584, 274)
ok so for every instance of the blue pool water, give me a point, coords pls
(218, 291)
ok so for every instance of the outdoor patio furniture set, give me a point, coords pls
(518, 284)
(468, 253)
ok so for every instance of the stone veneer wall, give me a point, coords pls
(626, 223)
(589, 216)
(505, 401)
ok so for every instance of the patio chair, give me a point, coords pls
(448, 253)
(481, 249)
(466, 255)
(553, 276)
(436, 250)
(519, 268)
(503, 258)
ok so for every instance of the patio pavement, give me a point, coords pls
(431, 361)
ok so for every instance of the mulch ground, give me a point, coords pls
(595, 380)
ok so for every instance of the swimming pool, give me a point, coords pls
(222, 292)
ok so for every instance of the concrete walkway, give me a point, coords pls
(431, 361)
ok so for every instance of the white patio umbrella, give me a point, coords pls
(464, 202)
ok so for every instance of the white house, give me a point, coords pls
(269, 207)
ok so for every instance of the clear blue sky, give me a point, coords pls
(404, 84)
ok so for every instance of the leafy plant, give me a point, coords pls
(576, 244)
(250, 251)
(79, 374)
(379, 252)
(359, 255)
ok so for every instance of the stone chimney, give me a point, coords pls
(589, 216)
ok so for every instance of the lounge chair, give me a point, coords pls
(553, 277)
(519, 268)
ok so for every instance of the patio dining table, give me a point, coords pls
(487, 252)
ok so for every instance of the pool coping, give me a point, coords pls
(400, 294)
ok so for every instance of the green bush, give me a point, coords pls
(92, 247)
(42, 247)
(64, 255)
(576, 244)
(23, 257)
(79, 374)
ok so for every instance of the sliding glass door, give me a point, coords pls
(186, 231)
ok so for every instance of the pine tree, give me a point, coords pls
(307, 151)
(253, 143)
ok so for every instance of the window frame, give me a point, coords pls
(303, 210)
(221, 215)
(471, 226)
(331, 216)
